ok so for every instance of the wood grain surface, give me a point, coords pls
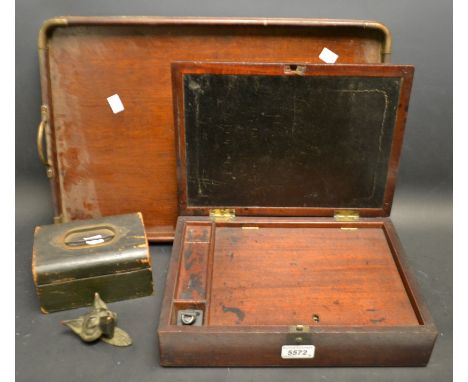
(105, 163)
(286, 276)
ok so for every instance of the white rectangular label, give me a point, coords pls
(115, 103)
(328, 56)
(297, 351)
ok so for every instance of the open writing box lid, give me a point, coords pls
(289, 140)
(102, 163)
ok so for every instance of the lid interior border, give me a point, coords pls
(220, 74)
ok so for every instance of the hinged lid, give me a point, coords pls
(102, 161)
(271, 140)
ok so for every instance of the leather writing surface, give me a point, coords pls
(292, 141)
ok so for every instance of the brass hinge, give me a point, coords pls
(346, 216)
(222, 213)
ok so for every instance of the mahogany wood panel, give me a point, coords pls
(285, 276)
(261, 346)
(194, 264)
(104, 163)
(356, 281)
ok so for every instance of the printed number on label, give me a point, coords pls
(297, 351)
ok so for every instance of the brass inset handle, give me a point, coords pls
(88, 237)
(40, 140)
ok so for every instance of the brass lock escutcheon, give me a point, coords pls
(299, 335)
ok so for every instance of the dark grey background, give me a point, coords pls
(422, 213)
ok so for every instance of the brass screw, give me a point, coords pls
(50, 172)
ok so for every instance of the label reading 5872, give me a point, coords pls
(297, 351)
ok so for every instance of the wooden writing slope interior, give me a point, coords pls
(295, 166)
(289, 140)
(288, 272)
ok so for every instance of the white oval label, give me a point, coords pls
(297, 351)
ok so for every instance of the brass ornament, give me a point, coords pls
(99, 323)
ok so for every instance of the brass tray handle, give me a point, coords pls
(40, 140)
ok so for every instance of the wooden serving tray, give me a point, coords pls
(254, 278)
(265, 149)
(101, 163)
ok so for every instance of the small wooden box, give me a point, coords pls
(72, 261)
(293, 260)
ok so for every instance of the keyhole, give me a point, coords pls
(294, 69)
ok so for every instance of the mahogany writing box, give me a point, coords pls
(284, 253)
(102, 163)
